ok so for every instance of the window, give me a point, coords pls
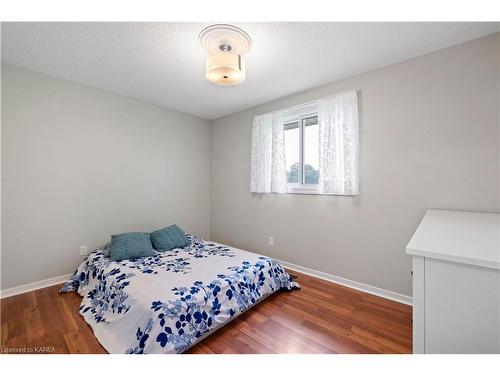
(288, 148)
(301, 151)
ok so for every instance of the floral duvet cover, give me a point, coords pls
(168, 302)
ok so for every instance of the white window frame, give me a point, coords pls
(298, 115)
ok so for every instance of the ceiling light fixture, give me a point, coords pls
(225, 45)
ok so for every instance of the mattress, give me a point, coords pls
(168, 302)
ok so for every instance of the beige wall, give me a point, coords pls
(79, 164)
(429, 139)
(498, 115)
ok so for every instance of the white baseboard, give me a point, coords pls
(407, 300)
(34, 286)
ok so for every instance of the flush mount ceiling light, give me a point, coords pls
(225, 45)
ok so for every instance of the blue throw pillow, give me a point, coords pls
(130, 246)
(169, 238)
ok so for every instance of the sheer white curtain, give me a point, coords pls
(339, 144)
(268, 170)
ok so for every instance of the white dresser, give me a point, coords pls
(456, 282)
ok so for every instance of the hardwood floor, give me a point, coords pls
(321, 317)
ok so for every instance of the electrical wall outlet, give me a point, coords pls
(83, 250)
(270, 241)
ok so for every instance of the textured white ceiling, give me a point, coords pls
(163, 63)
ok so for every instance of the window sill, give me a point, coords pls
(303, 190)
(313, 191)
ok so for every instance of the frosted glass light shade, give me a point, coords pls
(225, 68)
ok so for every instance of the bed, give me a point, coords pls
(168, 302)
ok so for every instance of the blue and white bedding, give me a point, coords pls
(168, 302)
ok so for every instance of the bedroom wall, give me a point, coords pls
(429, 139)
(79, 164)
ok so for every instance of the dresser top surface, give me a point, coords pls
(458, 236)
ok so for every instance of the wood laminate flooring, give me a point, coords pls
(321, 317)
